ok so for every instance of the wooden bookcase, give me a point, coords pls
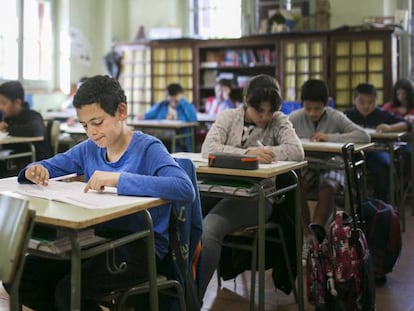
(136, 75)
(172, 62)
(363, 56)
(342, 58)
(301, 57)
(233, 59)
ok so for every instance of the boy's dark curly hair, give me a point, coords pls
(314, 90)
(12, 90)
(102, 90)
(263, 88)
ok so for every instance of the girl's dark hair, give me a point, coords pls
(263, 88)
(408, 87)
(12, 90)
(314, 90)
(102, 90)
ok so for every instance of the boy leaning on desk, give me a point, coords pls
(367, 114)
(257, 128)
(319, 122)
(136, 164)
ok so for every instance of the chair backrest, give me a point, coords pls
(185, 241)
(16, 225)
(53, 133)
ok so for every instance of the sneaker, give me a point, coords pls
(305, 250)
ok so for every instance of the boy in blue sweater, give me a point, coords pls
(113, 156)
(175, 107)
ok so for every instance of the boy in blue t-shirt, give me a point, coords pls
(367, 114)
(113, 156)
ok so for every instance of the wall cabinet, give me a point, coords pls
(363, 56)
(342, 58)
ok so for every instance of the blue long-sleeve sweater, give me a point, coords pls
(147, 169)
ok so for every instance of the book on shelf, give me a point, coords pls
(55, 244)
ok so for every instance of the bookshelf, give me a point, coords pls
(342, 58)
(363, 56)
(233, 59)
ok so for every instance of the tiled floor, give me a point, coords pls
(396, 294)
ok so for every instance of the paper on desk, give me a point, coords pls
(72, 193)
(195, 157)
(3, 135)
(276, 164)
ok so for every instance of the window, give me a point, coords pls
(216, 18)
(27, 55)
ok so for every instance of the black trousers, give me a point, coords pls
(46, 283)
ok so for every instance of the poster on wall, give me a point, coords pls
(81, 48)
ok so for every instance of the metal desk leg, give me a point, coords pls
(261, 247)
(75, 296)
(299, 238)
(152, 270)
(173, 141)
(412, 174)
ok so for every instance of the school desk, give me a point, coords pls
(4, 141)
(254, 177)
(390, 142)
(71, 219)
(174, 127)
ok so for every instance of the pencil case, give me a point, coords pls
(230, 160)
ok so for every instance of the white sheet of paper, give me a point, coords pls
(195, 157)
(72, 193)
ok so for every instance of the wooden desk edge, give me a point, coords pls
(259, 173)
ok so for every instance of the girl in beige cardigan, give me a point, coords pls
(257, 128)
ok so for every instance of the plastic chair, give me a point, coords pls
(53, 134)
(16, 225)
(247, 239)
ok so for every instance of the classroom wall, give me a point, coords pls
(352, 12)
(108, 20)
(159, 14)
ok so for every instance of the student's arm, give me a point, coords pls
(284, 142)
(31, 127)
(188, 110)
(396, 127)
(164, 178)
(225, 129)
(348, 131)
(154, 112)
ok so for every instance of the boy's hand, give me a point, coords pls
(100, 179)
(37, 174)
(382, 128)
(264, 154)
(319, 136)
(3, 126)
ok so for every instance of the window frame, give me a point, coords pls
(31, 84)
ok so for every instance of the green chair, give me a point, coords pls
(16, 225)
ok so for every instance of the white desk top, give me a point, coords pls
(171, 124)
(17, 140)
(71, 216)
(331, 147)
(76, 128)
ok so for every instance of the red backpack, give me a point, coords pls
(339, 267)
